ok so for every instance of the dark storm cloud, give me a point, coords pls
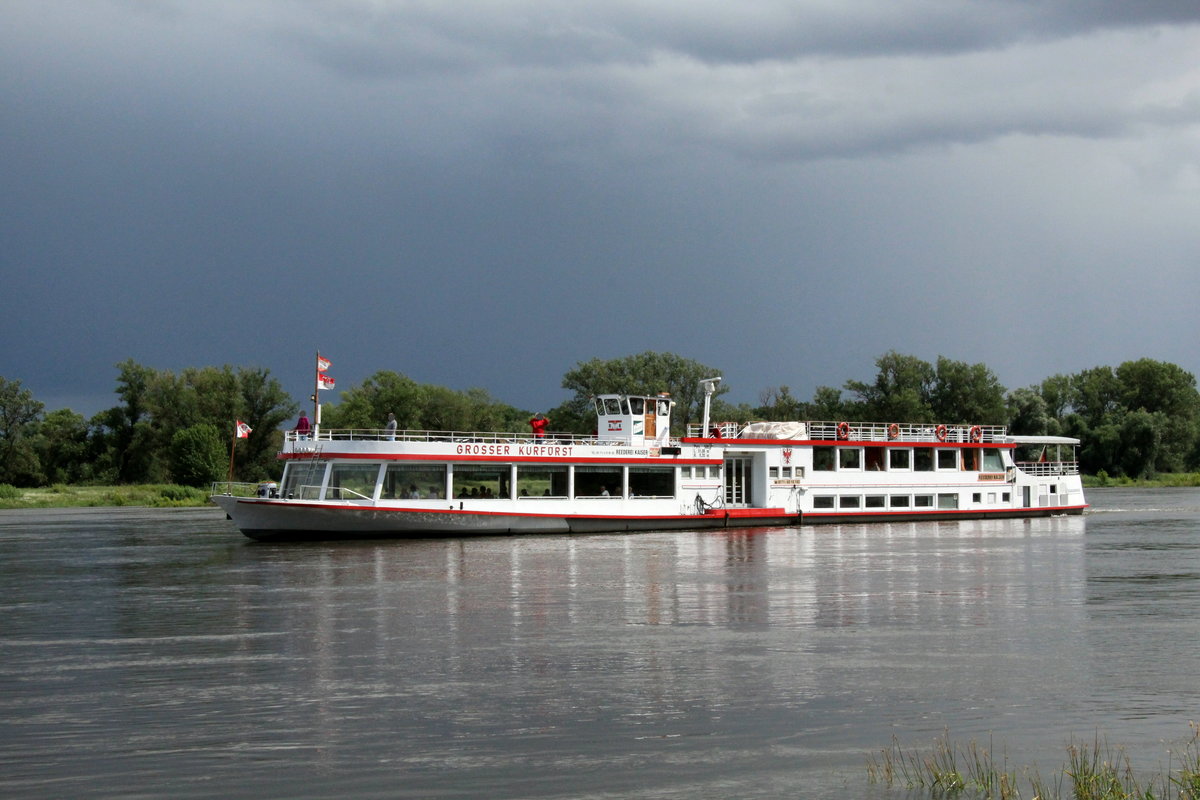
(485, 194)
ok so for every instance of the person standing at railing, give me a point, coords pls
(303, 426)
(539, 423)
(390, 428)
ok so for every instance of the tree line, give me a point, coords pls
(1138, 419)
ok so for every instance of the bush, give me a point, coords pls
(9, 492)
(197, 455)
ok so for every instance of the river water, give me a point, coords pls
(148, 653)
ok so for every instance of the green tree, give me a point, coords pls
(19, 413)
(966, 393)
(643, 374)
(198, 455)
(1028, 414)
(419, 407)
(901, 391)
(63, 448)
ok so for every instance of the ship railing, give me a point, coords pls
(469, 437)
(932, 433)
(1048, 468)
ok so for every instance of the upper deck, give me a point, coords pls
(821, 431)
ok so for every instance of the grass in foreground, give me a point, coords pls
(62, 496)
(1095, 772)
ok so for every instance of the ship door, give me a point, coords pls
(1026, 496)
(737, 482)
(651, 420)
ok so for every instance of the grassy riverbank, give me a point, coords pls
(1163, 481)
(62, 496)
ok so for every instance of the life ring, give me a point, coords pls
(940, 433)
(893, 431)
(843, 430)
(976, 433)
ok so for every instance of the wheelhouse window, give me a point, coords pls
(479, 481)
(541, 481)
(415, 482)
(598, 481)
(651, 481)
(352, 482)
(823, 459)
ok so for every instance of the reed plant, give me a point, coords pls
(1092, 772)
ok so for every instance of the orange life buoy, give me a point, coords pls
(976, 433)
(893, 431)
(843, 430)
(940, 433)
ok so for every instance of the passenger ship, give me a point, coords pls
(631, 475)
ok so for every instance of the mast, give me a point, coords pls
(710, 386)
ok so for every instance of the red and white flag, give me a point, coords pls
(242, 429)
(324, 381)
(323, 363)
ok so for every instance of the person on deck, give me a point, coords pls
(539, 423)
(303, 426)
(391, 427)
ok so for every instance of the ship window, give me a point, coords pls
(823, 501)
(977, 497)
(992, 461)
(612, 406)
(352, 482)
(923, 501)
(923, 459)
(541, 481)
(875, 459)
(664, 407)
(685, 472)
(898, 501)
(651, 482)
(947, 501)
(970, 460)
(1006, 497)
(774, 472)
(947, 459)
(823, 459)
(472, 481)
(849, 501)
(401, 480)
(600, 406)
(595, 481)
(637, 405)
(899, 459)
(849, 458)
(303, 480)
(875, 501)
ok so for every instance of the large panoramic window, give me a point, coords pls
(352, 482)
(923, 459)
(478, 481)
(413, 482)
(849, 458)
(651, 481)
(947, 459)
(992, 461)
(303, 480)
(899, 459)
(541, 481)
(598, 481)
(823, 459)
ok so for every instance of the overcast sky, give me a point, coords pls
(487, 193)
